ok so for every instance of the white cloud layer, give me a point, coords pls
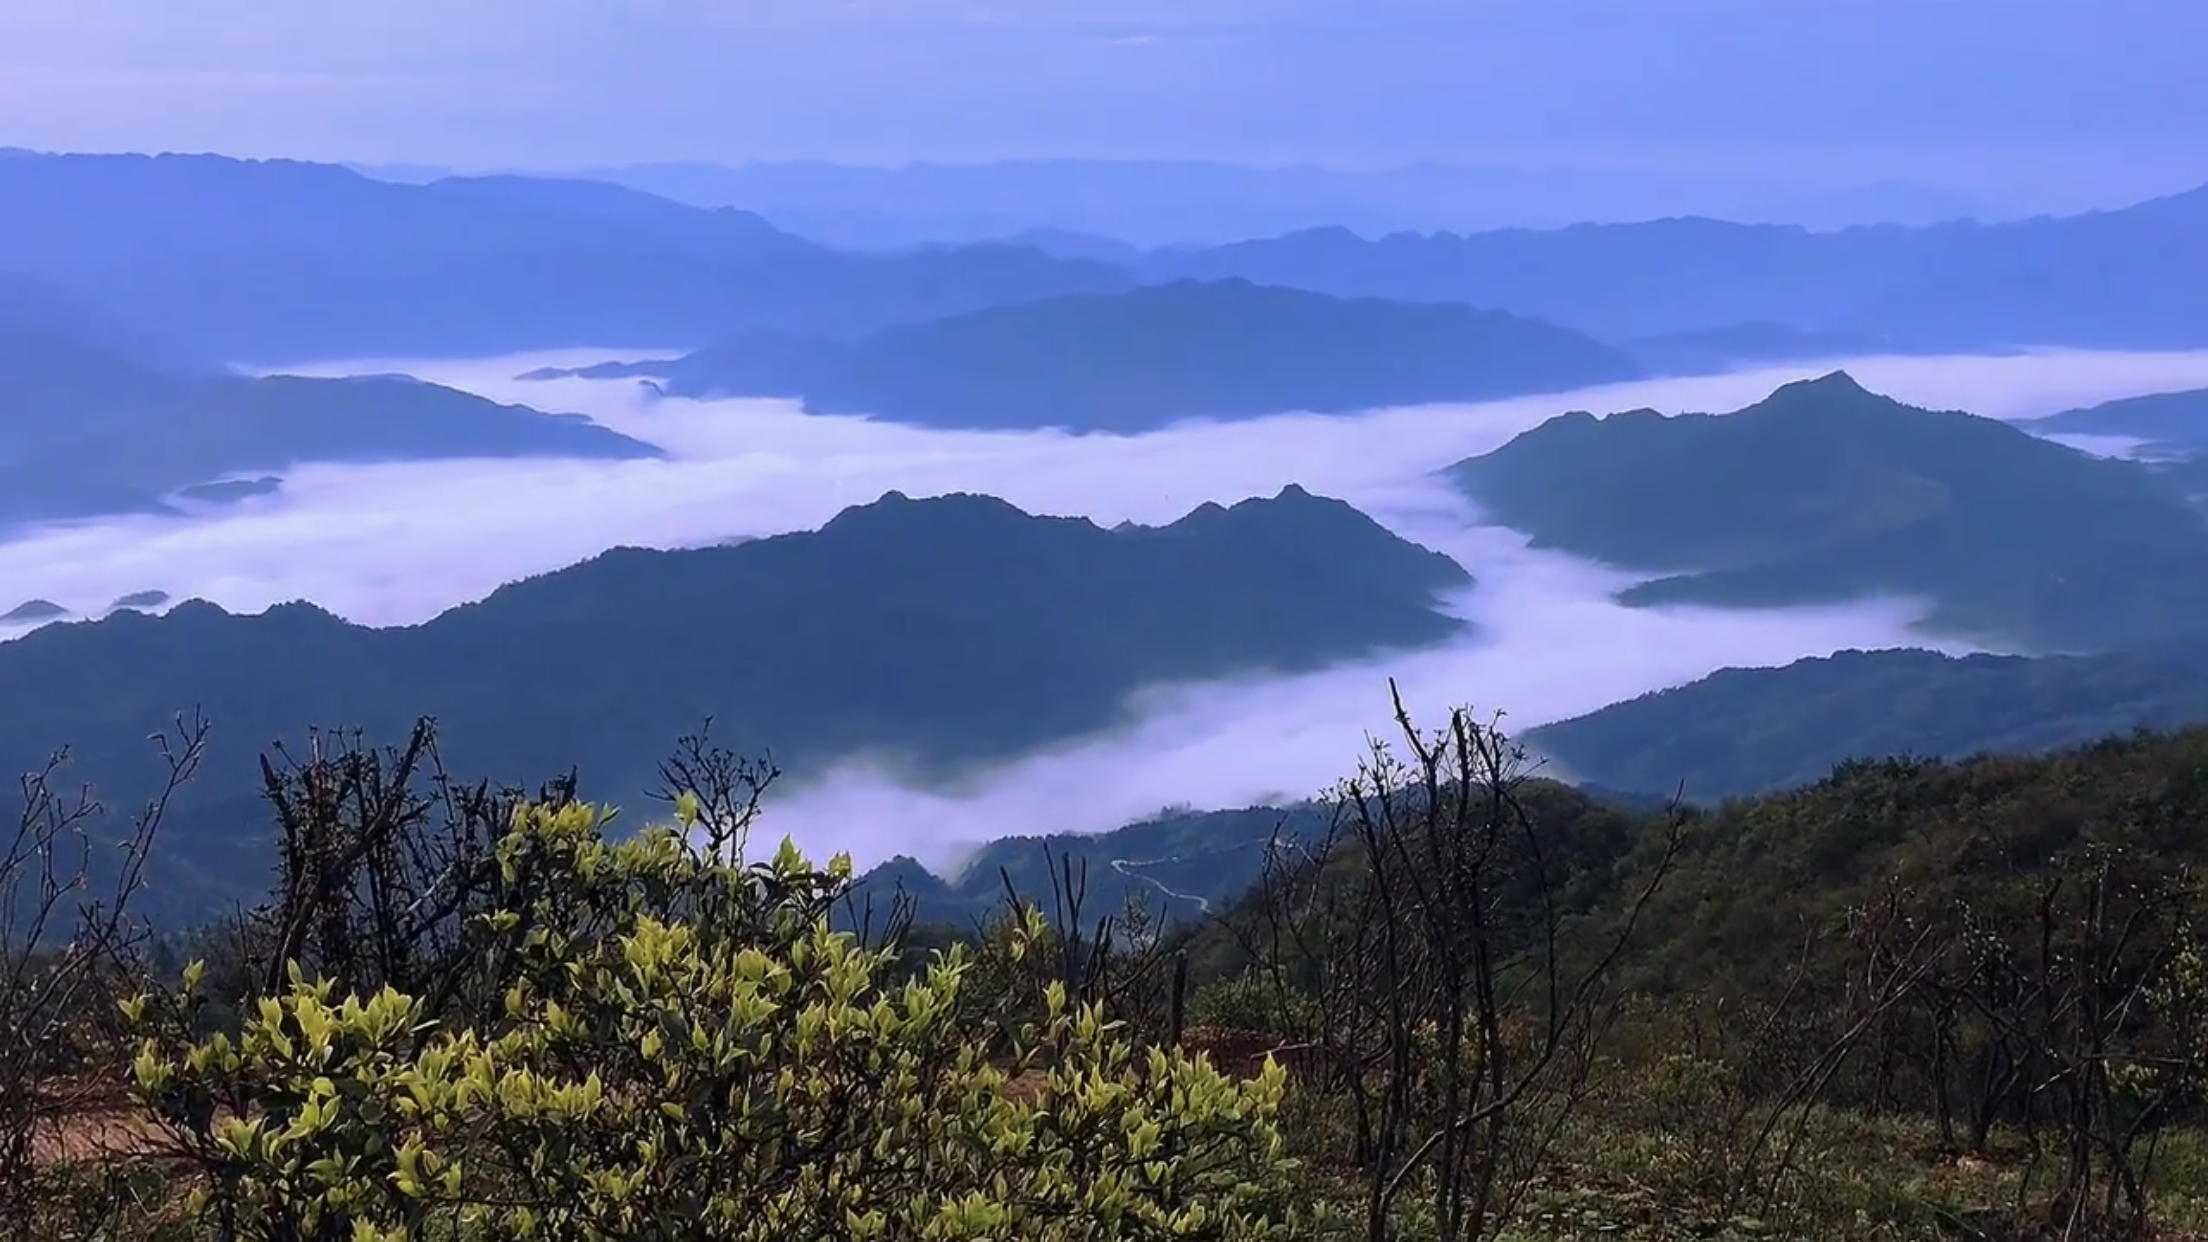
(397, 544)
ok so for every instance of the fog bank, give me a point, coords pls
(397, 544)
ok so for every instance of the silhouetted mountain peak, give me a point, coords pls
(140, 600)
(1833, 391)
(1294, 503)
(1836, 405)
(1831, 383)
(300, 610)
(1571, 431)
(193, 611)
(1792, 429)
(200, 613)
(1316, 526)
(1825, 490)
(953, 515)
(34, 610)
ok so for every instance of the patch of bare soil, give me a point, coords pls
(87, 1121)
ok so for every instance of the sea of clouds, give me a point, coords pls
(396, 544)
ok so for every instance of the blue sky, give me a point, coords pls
(1986, 92)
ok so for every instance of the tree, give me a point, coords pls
(67, 949)
(1418, 951)
(684, 1048)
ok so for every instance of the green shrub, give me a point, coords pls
(684, 1048)
(1251, 1002)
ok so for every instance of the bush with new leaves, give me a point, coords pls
(680, 1047)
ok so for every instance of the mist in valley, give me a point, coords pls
(396, 544)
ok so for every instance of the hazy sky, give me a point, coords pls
(395, 544)
(1985, 95)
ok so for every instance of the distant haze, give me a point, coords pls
(1158, 203)
(397, 544)
(2037, 104)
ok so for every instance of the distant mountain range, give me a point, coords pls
(933, 633)
(2166, 422)
(2137, 277)
(277, 261)
(1188, 202)
(1137, 360)
(1825, 492)
(274, 261)
(1877, 203)
(87, 430)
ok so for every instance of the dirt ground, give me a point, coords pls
(87, 1121)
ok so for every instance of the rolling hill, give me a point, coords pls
(937, 634)
(1825, 492)
(87, 430)
(2167, 422)
(1749, 731)
(1133, 361)
(1992, 831)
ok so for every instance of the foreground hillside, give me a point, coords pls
(1824, 491)
(931, 634)
(1138, 360)
(1906, 1001)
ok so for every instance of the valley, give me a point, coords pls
(1548, 633)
